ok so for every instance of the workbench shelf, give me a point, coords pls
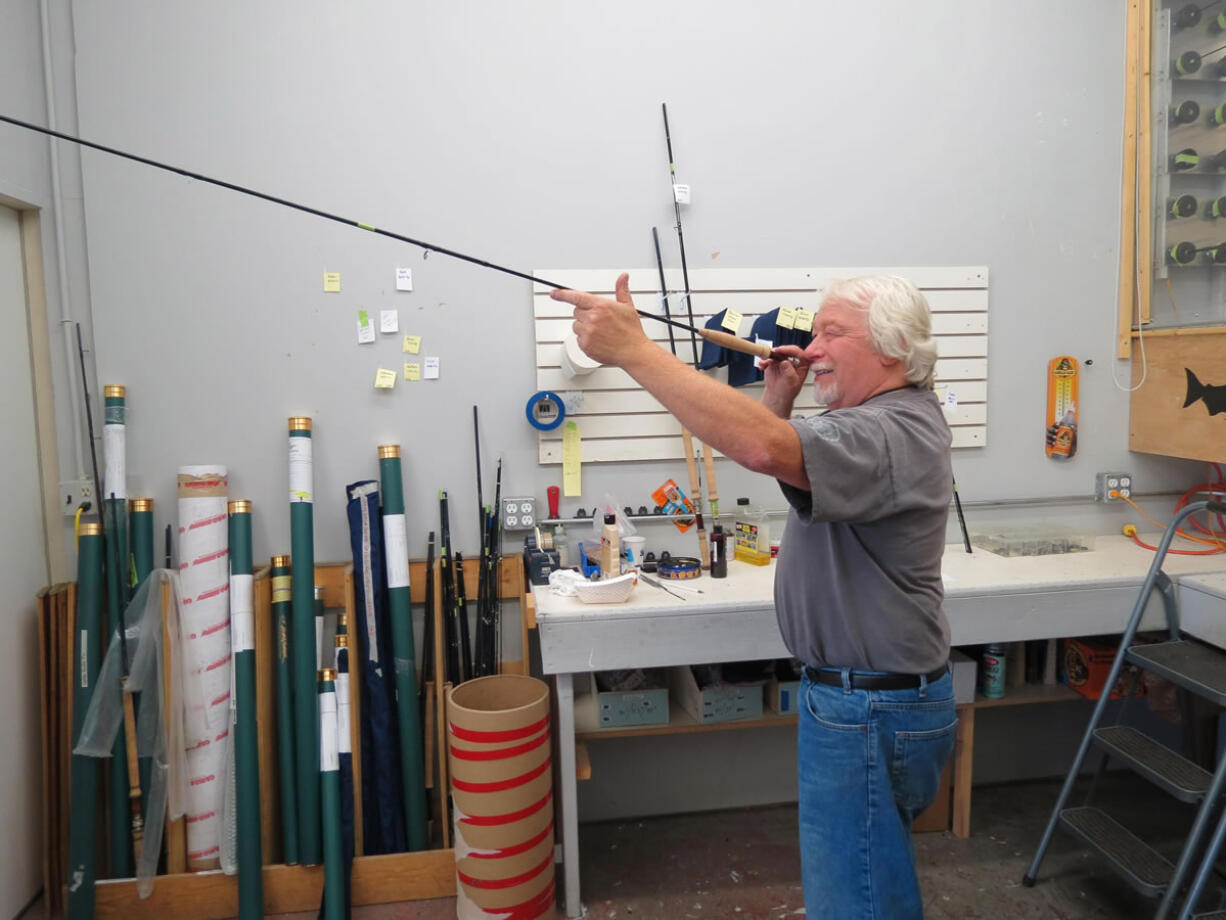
(1031, 693)
(679, 722)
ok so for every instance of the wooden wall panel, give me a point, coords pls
(1159, 421)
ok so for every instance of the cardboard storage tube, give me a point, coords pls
(500, 759)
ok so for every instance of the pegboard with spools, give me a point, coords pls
(1189, 139)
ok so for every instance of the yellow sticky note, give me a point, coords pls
(804, 321)
(572, 483)
(332, 282)
(412, 371)
(787, 318)
(384, 379)
(732, 321)
(412, 344)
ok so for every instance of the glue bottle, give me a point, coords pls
(753, 540)
(610, 548)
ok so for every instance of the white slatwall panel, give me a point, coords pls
(619, 421)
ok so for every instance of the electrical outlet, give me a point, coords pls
(1107, 483)
(518, 513)
(74, 493)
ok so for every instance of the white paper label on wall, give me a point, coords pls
(396, 541)
(951, 401)
(115, 476)
(242, 613)
(681, 193)
(300, 470)
(389, 321)
(430, 371)
(366, 329)
(404, 279)
(757, 360)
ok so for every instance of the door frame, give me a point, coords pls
(41, 380)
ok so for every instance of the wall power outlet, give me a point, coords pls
(1107, 483)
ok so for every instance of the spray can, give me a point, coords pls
(610, 548)
(994, 670)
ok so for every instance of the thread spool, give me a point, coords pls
(1183, 206)
(1184, 113)
(1181, 253)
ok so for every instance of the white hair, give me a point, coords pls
(899, 320)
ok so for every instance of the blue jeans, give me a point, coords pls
(869, 761)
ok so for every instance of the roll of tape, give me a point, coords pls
(575, 362)
(545, 411)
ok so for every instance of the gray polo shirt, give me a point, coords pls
(858, 579)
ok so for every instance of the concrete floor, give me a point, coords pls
(744, 865)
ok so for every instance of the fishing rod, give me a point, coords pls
(495, 651)
(447, 574)
(728, 341)
(685, 273)
(461, 612)
(427, 635)
(687, 447)
(655, 237)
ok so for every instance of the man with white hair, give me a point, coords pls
(858, 582)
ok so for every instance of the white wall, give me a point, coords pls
(885, 133)
(531, 135)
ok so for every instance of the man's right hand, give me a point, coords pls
(784, 379)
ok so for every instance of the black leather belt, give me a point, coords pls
(867, 680)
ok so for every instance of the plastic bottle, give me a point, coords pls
(561, 543)
(719, 552)
(610, 548)
(753, 540)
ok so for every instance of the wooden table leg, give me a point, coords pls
(964, 748)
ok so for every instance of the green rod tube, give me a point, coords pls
(287, 755)
(246, 745)
(330, 789)
(395, 543)
(115, 493)
(84, 778)
(320, 660)
(302, 635)
(140, 536)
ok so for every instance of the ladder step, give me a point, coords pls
(1192, 665)
(1156, 762)
(1142, 867)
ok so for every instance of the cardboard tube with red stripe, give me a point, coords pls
(502, 789)
(204, 578)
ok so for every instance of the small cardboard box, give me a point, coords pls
(1087, 662)
(718, 702)
(647, 705)
(964, 668)
(784, 696)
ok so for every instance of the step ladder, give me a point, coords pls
(1194, 668)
